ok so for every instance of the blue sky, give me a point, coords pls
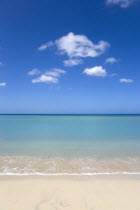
(69, 56)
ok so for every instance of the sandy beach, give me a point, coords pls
(70, 193)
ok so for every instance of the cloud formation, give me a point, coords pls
(113, 74)
(97, 71)
(73, 62)
(2, 84)
(55, 72)
(76, 47)
(34, 72)
(46, 79)
(45, 46)
(51, 76)
(80, 46)
(121, 3)
(123, 80)
(111, 60)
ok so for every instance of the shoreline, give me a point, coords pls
(97, 175)
(116, 177)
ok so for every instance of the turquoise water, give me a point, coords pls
(69, 144)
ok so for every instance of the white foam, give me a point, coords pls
(31, 166)
(70, 174)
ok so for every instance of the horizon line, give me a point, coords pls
(70, 114)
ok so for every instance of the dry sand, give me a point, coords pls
(70, 193)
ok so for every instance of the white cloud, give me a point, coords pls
(55, 72)
(113, 74)
(126, 80)
(97, 71)
(45, 46)
(80, 46)
(2, 84)
(46, 79)
(34, 72)
(76, 47)
(49, 76)
(111, 60)
(73, 62)
(1, 63)
(122, 3)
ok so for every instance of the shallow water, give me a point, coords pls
(69, 144)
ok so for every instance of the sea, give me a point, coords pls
(69, 144)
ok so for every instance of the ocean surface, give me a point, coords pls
(69, 144)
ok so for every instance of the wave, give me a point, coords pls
(67, 174)
(20, 165)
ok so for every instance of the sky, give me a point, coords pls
(69, 57)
